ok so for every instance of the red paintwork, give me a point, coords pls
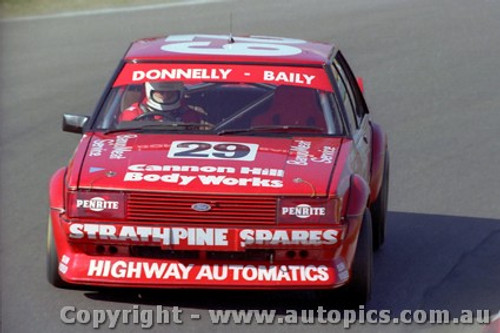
(358, 196)
(76, 161)
(105, 169)
(311, 53)
(494, 326)
(152, 149)
(361, 84)
(56, 189)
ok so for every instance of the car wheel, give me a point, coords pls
(379, 208)
(52, 261)
(358, 290)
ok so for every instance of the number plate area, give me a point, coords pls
(213, 150)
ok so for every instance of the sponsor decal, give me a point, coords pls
(122, 269)
(327, 154)
(97, 204)
(289, 237)
(160, 235)
(153, 146)
(219, 74)
(120, 146)
(208, 169)
(301, 155)
(315, 78)
(126, 269)
(300, 151)
(303, 211)
(300, 210)
(288, 77)
(342, 271)
(172, 174)
(262, 172)
(102, 205)
(117, 147)
(177, 74)
(63, 264)
(184, 180)
(189, 238)
(181, 168)
(99, 146)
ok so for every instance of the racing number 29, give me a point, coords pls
(213, 150)
(245, 46)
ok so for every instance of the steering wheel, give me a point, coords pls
(153, 115)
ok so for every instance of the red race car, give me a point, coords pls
(223, 162)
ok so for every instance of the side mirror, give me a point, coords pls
(361, 84)
(74, 123)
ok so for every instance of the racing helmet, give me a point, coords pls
(164, 96)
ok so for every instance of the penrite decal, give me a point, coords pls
(97, 204)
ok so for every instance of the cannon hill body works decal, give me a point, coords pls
(218, 176)
(204, 175)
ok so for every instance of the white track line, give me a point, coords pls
(107, 11)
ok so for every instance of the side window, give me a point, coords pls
(345, 96)
(352, 84)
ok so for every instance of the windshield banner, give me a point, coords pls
(306, 77)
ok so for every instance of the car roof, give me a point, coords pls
(230, 49)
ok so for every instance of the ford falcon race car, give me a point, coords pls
(223, 162)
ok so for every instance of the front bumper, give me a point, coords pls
(77, 265)
(141, 272)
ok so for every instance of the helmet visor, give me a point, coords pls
(165, 97)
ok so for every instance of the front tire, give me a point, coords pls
(52, 261)
(359, 288)
(379, 208)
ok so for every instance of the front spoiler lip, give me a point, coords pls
(81, 269)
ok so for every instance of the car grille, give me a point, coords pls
(152, 252)
(177, 208)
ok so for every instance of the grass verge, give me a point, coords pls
(18, 8)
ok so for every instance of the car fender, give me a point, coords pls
(358, 195)
(379, 146)
(56, 189)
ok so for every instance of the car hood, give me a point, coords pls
(209, 164)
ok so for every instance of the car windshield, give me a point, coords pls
(223, 100)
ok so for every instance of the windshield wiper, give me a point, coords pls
(157, 127)
(276, 128)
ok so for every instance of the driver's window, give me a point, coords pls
(133, 94)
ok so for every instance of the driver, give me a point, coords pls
(164, 101)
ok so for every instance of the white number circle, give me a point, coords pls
(253, 46)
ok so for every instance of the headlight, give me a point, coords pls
(98, 205)
(308, 210)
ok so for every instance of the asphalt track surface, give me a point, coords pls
(432, 77)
